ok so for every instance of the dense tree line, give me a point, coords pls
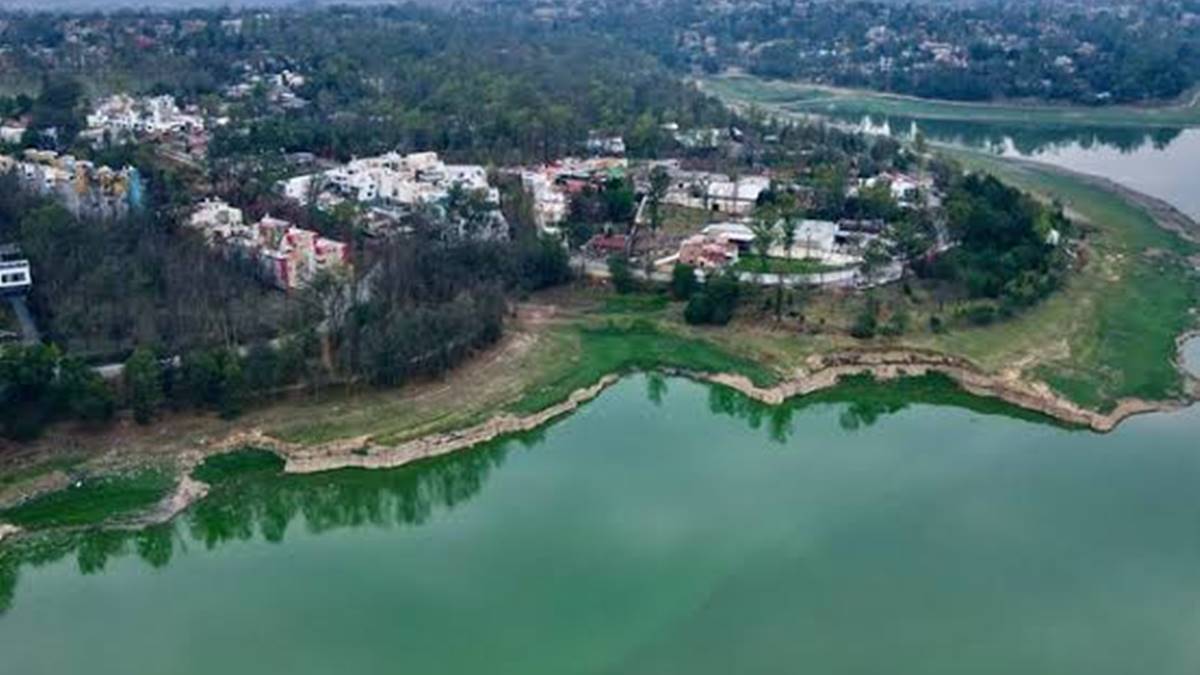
(1006, 247)
(201, 325)
(1091, 53)
(484, 87)
(39, 385)
(102, 287)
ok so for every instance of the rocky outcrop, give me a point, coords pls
(7, 531)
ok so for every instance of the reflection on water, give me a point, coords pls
(1161, 162)
(1023, 139)
(261, 501)
(666, 527)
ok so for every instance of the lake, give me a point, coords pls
(1163, 163)
(667, 527)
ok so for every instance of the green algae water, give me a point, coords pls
(667, 527)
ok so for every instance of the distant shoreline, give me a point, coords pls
(798, 98)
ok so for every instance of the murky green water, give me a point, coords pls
(698, 534)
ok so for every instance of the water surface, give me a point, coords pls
(668, 527)
(1163, 163)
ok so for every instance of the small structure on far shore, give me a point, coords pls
(15, 275)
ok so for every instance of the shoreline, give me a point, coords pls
(1181, 112)
(883, 365)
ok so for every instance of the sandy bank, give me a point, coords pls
(187, 492)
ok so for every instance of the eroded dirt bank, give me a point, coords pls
(362, 453)
(825, 373)
(887, 365)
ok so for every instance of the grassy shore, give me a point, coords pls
(93, 502)
(811, 99)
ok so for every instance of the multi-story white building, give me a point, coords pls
(412, 182)
(407, 180)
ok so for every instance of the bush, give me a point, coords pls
(937, 325)
(897, 324)
(698, 310)
(683, 281)
(981, 315)
(621, 274)
(143, 384)
(542, 263)
(867, 324)
(716, 303)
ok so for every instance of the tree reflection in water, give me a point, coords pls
(252, 496)
(1027, 139)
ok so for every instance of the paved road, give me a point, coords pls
(29, 329)
(849, 278)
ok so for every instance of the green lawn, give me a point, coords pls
(753, 263)
(92, 503)
(620, 347)
(813, 99)
(30, 472)
(219, 468)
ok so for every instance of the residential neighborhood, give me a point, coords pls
(79, 185)
(390, 187)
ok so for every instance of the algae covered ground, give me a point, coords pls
(92, 502)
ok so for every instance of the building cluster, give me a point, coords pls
(716, 192)
(840, 244)
(552, 185)
(393, 186)
(122, 118)
(281, 254)
(280, 89)
(84, 188)
(906, 190)
(12, 132)
(831, 244)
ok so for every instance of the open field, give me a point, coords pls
(798, 98)
(752, 263)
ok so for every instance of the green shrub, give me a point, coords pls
(981, 315)
(621, 274)
(683, 281)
